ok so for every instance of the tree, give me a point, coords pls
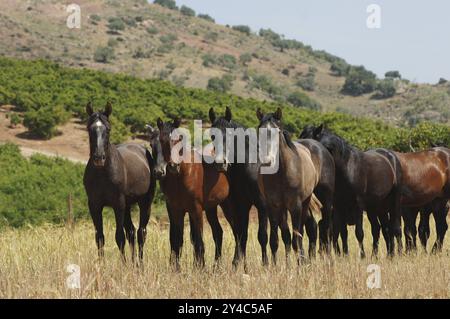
(206, 17)
(339, 68)
(243, 28)
(185, 10)
(386, 88)
(222, 84)
(170, 4)
(393, 74)
(359, 81)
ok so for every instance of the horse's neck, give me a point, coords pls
(113, 163)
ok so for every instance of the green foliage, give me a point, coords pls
(95, 17)
(14, 120)
(385, 88)
(185, 10)
(209, 60)
(42, 122)
(170, 4)
(243, 28)
(300, 99)
(359, 81)
(104, 54)
(36, 190)
(245, 58)
(152, 30)
(227, 61)
(206, 17)
(116, 24)
(223, 84)
(339, 68)
(211, 36)
(393, 74)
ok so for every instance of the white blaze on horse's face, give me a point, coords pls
(98, 151)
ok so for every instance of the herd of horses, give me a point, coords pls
(319, 173)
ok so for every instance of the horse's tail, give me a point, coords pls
(315, 205)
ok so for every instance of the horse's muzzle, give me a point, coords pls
(99, 161)
(173, 168)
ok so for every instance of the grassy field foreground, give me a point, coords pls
(34, 260)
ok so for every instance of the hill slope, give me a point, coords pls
(149, 41)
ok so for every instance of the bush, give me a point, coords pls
(208, 60)
(300, 99)
(170, 4)
(152, 30)
(187, 11)
(104, 55)
(393, 74)
(442, 81)
(211, 36)
(206, 17)
(307, 83)
(42, 123)
(245, 58)
(359, 81)
(227, 61)
(168, 38)
(242, 28)
(95, 17)
(14, 120)
(222, 84)
(339, 68)
(116, 24)
(386, 88)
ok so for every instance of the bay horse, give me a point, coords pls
(191, 187)
(244, 190)
(117, 176)
(290, 188)
(365, 181)
(426, 181)
(324, 191)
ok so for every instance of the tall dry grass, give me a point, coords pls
(33, 264)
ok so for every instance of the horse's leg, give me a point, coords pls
(336, 230)
(424, 227)
(395, 221)
(241, 233)
(344, 237)
(96, 214)
(326, 225)
(286, 235)
(217, 232)
(297, 231)
(359, 232)
(409, 228)
(375, 227)
(119, 213)
(196, 222)
(262, 232)
(144, 217)
(130, 232)
(274, 224)
(176, 218)
(311, 231)
(440, 218)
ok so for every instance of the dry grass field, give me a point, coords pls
(34, 260)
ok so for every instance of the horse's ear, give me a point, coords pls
(278, 114)
(228, 115)
(259, 114)
(159, 123)
(212, 115)
(318, 130)
(108, 109)
(89, 109)
(176, 122)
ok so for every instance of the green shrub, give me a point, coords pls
(209, 60)
(339, 68)
(116, 24)
(14, 120)
(206, 17)
(386, 88)
(227, 61)
(42, 123)
(104, 55)
(307, 83)
(245, 58)
(211, 36)
(393, 74)
(185, 10)
(359, 81)
(152, 30)
(170, 4)
(222, 84)
(300, 99)
(243, 28)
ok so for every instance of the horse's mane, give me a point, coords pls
(284, 132)
(340, 144)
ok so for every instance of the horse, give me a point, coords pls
(290, 188)
(190, 186)
(244, 190)
(365, 181)
(324, 191)
(426, 187)
(117, 176)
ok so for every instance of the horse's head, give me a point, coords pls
(335, 144)
(160, 164)
(221, 123)
(271, 123)
(165, 142)
(308, 132)
(98, 128)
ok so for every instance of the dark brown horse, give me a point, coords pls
(365, 181)
(118, 177)
(290, 188)
(191, 187)
(426, 187)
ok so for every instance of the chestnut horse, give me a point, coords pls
(118, 177)
(426, 181)
(191, 187)
(290, 188)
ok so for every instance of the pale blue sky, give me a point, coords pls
(414, 37)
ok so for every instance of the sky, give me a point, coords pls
(413, 38)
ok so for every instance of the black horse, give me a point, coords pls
(244, 192)
(118, 177)
(365, 181)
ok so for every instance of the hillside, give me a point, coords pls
(150, 41)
